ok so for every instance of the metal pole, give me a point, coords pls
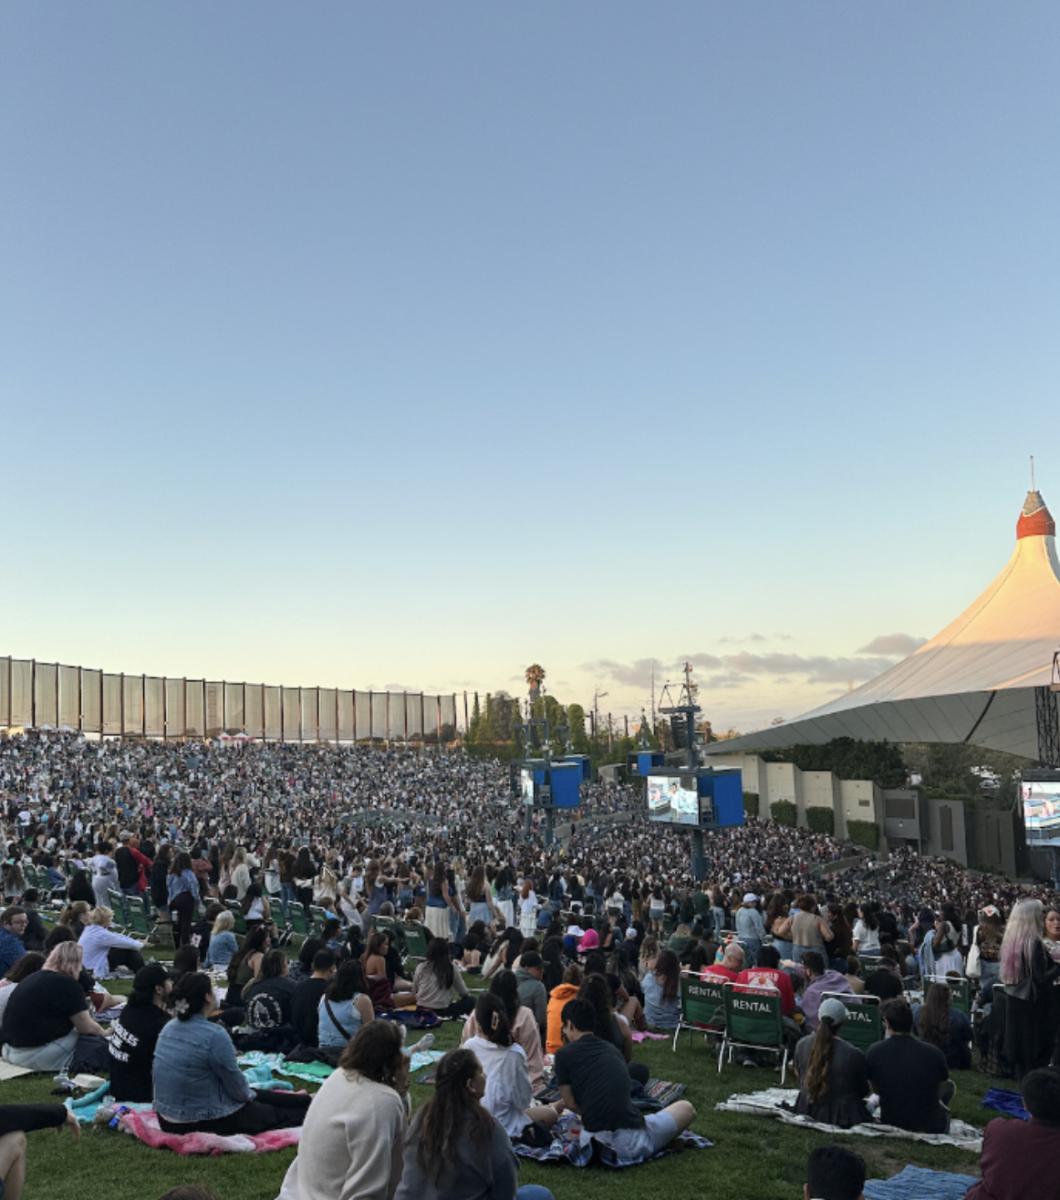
(405, 711)
(386, 718)
(33, 693)
(121, 705)
(699, 870)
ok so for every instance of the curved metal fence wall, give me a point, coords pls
(34, 695)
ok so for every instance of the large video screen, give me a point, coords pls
(526, 786)
(673, 799)
(1041, 808)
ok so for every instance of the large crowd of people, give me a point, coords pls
(580, 944)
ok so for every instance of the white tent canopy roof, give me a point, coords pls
(973, 682)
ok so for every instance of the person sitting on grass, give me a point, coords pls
(438, 985)
(222, 944)
(352, 1139)
(911, 1077)
(48, 1024)
(611, 1026)
(520, 1021)
(16, 1120)
(28, 964)
(594, 1082)
(573, 977)
(386, 992)
(198, 1085)
(106, 951)
(509, 1095)
(819, 980)
(133, 1036)
(1015, 1153)
(938, 1023)
(344, 1009)
(33, 938)
(662, 993)
(13, 922)
(305, 1002)
(833, 1075)
(455, 1150)
(834, 1173)
(267, 1001)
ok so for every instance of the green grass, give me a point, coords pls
(752, 1159)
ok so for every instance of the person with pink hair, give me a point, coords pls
(1027, 974)
(47, 1024)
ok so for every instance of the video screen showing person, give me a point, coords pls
(673, 800)
(1041, 808)
(526, 786)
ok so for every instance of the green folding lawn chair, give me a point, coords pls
(864, 1027)
(702, 1006)
(960, 991)
(236, 909)
(753, 1022)
(296, 917)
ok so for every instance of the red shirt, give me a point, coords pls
(771, 977)
(721, 974)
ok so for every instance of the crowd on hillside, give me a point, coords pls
(418, 869)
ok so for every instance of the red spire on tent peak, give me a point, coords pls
(1035, 520)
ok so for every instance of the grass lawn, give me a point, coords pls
(752, 1158)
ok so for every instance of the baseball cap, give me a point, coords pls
(834, 1010)
(750, 898)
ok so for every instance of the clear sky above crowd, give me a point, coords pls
(405, 345)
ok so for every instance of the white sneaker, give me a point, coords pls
(425, 1043)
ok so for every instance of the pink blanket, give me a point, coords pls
(144, 1125)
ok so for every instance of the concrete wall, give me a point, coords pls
(859, 800)
(820, 789)
(996, 841)
(910, 826)
(810, 789)
(947, 835)
(784, 782)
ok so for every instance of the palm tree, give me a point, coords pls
(535, 677)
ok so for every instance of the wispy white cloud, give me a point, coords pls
(893, 643)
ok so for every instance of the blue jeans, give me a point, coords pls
(286, 896)
(784, 948)
(457, 927)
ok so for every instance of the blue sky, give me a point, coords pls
(406, 345)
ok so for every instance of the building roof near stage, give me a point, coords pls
(973, 682)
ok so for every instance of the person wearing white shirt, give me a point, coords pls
(104, 950)
(509, 1095)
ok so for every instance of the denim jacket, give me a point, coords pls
(195, 1073)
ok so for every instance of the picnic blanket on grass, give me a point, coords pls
(918, 1183)
(768, 1103)
(317, 1072)
(85, 1107)
(567, 1146)
(144, 1126)
(1006, 1101)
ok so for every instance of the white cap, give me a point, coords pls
(750, 898)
